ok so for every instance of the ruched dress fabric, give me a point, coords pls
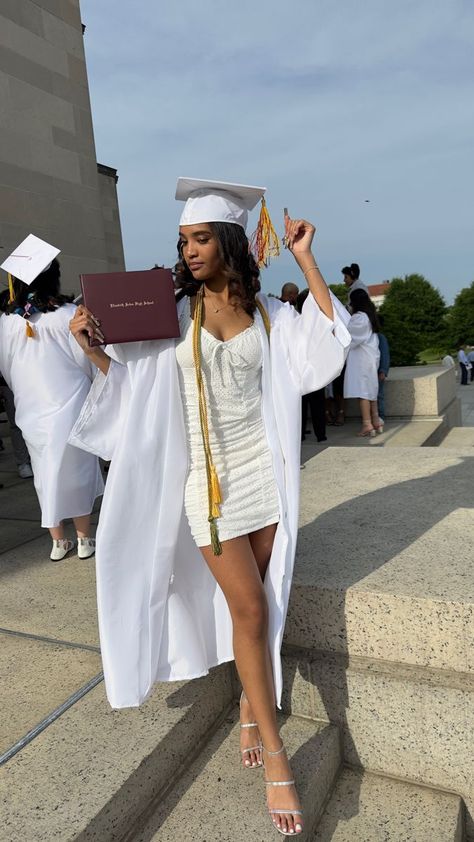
(232, 374)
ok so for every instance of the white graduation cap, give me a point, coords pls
(216, 201)
(32, 257)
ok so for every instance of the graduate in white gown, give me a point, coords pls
(361, 377)
(50, 377)
(191, 575)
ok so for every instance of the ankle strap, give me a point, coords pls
(274, 753)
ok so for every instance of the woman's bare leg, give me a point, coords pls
(261, 542)
(57, 532)
(240, 579)
(83, 526)
(365, 412)
(374, 413)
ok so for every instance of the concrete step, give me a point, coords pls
(92, 773)
(370, 808)
(459, 437)
(425, 432)
(219, 800)
(420, 432)
(380, 629)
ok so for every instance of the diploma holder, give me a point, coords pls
(132, 306)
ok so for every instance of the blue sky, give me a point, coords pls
(326, 104)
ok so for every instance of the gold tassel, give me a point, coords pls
(215, 486)
(29, 331)
(216, 544)
(264, 242)
(11, 290)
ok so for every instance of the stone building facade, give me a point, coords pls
(50, 182)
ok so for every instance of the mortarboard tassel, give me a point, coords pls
(264, 242)
(29, 331)
(10, 288)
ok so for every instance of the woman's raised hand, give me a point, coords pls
(85, 326)
(298, 235)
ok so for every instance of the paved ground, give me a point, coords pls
(48, 628)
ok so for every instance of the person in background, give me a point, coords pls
(20, 450)
(289, 292)
(448, 361)
(384, 366)
(314, 401)
(50, 377)
(352, 280)
(361, 378)
(470, 357)
(464, 364)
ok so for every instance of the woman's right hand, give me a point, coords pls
(84, 326)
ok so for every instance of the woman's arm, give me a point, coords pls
(84, 326)
(299, 235)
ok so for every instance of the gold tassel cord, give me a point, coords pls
(213, 487)
(264, 242)
(10, 289)
(29, 331)
(214, 493)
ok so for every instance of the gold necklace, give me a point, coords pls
(211, 296)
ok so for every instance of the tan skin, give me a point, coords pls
(241, 568)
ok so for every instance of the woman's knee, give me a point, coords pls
(250, 614)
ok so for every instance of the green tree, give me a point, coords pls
(413, 313)
(460, 319)
(340, 291)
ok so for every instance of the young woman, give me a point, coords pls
(361, 377)
(50, 377)
(212, 579)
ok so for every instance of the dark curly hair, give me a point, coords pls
(44, 293)
(240, 268)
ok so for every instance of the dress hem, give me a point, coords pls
(269, 522)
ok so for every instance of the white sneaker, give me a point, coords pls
(24, 471)
(61, 548)
(85, 547)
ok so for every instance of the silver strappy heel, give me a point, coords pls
(282, 812)
(245, 751)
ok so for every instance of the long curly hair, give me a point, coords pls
(44, 294)
(239, 267)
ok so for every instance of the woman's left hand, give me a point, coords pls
(298, 235)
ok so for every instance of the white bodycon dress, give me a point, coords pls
(232, 373)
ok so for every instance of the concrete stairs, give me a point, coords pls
(181, 778)
(217, 799)
(378, 710)
(459, 437)
(372, 808)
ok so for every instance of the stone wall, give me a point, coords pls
(49, 183)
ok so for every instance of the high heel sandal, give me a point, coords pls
(340, 419)
(283, 812)
(368, 431)
(379, 427)
(245, 751)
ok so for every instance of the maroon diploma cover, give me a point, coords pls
(132, 306)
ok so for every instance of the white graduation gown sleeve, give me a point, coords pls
(315, 346)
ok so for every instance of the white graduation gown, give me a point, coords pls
(162, 616)
(50, 377)
(361, 377)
